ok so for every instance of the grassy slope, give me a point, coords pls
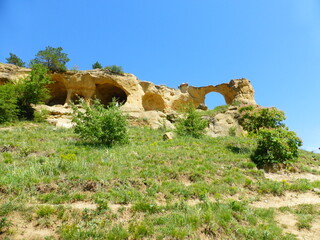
(153, 189)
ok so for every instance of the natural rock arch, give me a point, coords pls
(153, 101)
(214, 99)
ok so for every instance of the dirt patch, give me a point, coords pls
(75, 205)
(28, 230)
(290, 177)
(288, 199)
(288, 222)
(115, 207)
(81, 205)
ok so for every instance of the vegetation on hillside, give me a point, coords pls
(185, 188)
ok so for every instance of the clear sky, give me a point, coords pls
(273, 43)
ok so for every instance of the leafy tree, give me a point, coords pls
(191, 124)
(276, 146)
(96, 65)
(98, 124)
(14, 59)
(52, 58)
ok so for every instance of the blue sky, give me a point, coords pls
(274, 43)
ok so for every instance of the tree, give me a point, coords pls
(52, 58)
(96, 65)
(14, 59)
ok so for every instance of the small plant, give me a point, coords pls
(114, 69)
(191, 124)
(253, 118)
(232, 131)
(96, 65)
(304, 222)
(75, 68)
(98, 124)
(45, 211)
(4, 224)
(276, 146)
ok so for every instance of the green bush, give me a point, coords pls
(98, 124)
(191, 124)
(253, 118)
(276, 146)
(8, 103)
(114, 69)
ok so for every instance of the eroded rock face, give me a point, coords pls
(12, 73)
(135, 95)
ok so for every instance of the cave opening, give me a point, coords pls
(58, 93)
(106, 92)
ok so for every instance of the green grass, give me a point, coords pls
(177, 189)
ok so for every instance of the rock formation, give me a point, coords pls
(141, 99)
(135, 95)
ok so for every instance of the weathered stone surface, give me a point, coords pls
(225, 124)
(168, 136)
(12, 73)
(135, 95)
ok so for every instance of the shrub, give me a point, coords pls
(14, 59)
(114, 69)
(8, 103)
(191, 124)
(98, 124)
(96, 65)
(254, 118)
(276, 146)
(33, 90)
(52, 58)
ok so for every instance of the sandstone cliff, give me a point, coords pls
(134, 94)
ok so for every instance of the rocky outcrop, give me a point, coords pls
(144, 102)
(225, 123)
(12, 73)
(135, 95)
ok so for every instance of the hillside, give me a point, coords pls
(54, 186)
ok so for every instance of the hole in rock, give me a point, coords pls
(214, 99)
(58, 94)
(106, 92)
